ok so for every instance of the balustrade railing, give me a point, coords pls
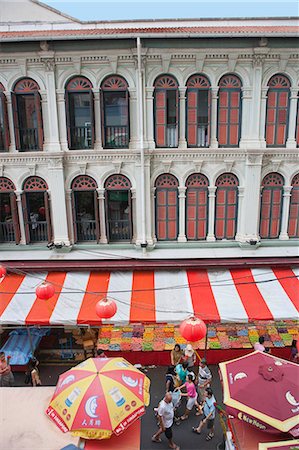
(171, 136)
(7, 233)
(119, 230)
(38, 231)
(116, 137)
(81, 137)
(29, 139)
(86, 230)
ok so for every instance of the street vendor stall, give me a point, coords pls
(238, 305)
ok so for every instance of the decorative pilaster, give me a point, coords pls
(62, 120)
(263, 117)
(291, 141)
(21, 217)
(182, 122)
(49, 66)
(58, 204)
(285, 212)
(240, 219)
(134, 215)
(246, 103)
(102, 215)
(97, 120)
(134, 137)
(153, 201)
(69, 212)
(46, 121)
(214, 101)
(150, 117)
(211, 228)
(12, 145)
(182, 209)
(255, 113)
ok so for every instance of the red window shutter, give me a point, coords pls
(16, 120)
(160, 117)
(293, 227)
(39, 117)
(6, 135)
(15, 217)
(96, 215)
(68, 119)
(92, 124)
(48, 216)
(161, 231)
(192, 117)
(74, 214)
(25, 217)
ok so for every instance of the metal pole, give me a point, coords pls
(141, 141)
(206, 342)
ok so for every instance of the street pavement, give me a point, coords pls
(183, 435)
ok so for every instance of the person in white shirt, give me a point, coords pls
(165, 417)
(204, 377)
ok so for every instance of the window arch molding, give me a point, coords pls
(271, 205)
(115, 112)
(6, 185)
(34, 183)
(27, 115)
(229, 110)
(226, 206)
(83, 183)
(9, 216)
(79, 109)
(293, 223)
(166, 111)
(277, 110)
(117, 182)
(196, 206)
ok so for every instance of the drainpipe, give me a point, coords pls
(141, 141)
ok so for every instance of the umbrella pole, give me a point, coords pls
(206, 342)
(30, 341)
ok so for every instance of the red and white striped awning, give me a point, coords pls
(236, 295)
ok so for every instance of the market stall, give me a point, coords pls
(238, 305)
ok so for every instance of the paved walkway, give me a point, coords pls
(183, 435)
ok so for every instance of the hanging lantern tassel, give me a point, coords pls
(106, 308)
(2, 272)
(45, 291)
(193, 329)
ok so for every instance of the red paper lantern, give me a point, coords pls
(45, 291)
(2, 271)
(193, 329)
(106, 308)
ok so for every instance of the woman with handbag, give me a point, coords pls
(32, 375)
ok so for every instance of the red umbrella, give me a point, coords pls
(263, 391)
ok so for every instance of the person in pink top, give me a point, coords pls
(260, 344)
(191, 394)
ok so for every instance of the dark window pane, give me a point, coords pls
(202, 111)
(116, 109)
(6, 222)
(80, 120)
(119, 215)
(85, 216)
(36, 216)
(171, 107)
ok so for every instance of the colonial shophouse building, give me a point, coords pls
(179, 137)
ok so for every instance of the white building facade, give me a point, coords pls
(179, 137)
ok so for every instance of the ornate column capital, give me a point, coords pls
(212, 191)
(214, 92)
(182, 92)
(182, 191)
(258, 59)
(101, 193)
(48, 63)
(287, 191)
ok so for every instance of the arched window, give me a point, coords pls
(166, 111)
(79, 113)
(4, 128)
(293, 229)
(271, 206)
(36, 210)
(167, 208)
(85, 208)
(27, 115)
(118, 208)
(197, 207)
(229, 111)
(277, 111)
(198, 111)
(226, 211)
(9, 217)
(115, 100)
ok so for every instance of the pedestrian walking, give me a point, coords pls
(165, 418)
(176, 355)
(260, 344)
(33, 372)
(191, 394)
(209, 411)
(6, 375)
(181, 372)
(204, 377)
(190, 356)
(170, 379)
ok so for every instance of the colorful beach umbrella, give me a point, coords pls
(99, 397)
(263, 391)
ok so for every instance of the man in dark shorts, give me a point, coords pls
(165, 417)
(209, 411)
